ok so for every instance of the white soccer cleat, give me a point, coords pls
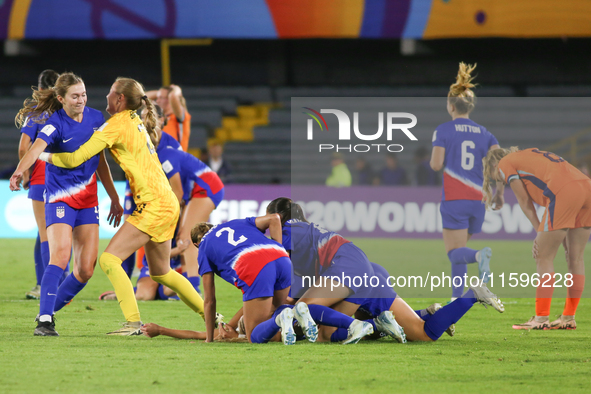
(285, 321)
(302, 315)
(535, 323)
(34, 293)
(386, 323)
(357, 330)
(485, 255)
(486, 297)
(219, 318)
(130, 328)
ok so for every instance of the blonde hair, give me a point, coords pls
(199, 231)
(489, 164)
(45, 102)
(461, 95)
(135, 98)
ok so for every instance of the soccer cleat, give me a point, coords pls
(108, 296)
(285, 321)
(219, 318)
(34, 293)
(535, 323)
(45, 329)
(563, 323)
(486, 297)
(431, 309)
(129, 329)
(357, 330)
(302, 315)
(484, 264)
(386, 323)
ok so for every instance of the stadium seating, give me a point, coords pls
(255, 122)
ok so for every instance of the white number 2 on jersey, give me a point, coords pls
(467, 157)
(231, 240)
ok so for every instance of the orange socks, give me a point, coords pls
(544, 296)
(573, 295)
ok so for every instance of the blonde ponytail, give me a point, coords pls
(489, 165)
(461, 95)
(151, 122)
(135, 97)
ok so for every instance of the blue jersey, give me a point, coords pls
(312, 247)
(167, 141)
(237, 251)
(191, 169)
(31, 129)
(77, 186)
(466, 143)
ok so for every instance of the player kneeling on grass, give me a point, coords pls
(314, 249)
(551, 182)
(239, 252)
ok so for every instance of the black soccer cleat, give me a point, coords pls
(45, 329)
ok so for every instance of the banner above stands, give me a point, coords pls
(384, 212)
(419, 19)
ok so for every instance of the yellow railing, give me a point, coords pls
(165, 45)
(573, 148)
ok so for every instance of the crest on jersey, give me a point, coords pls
(60, 212)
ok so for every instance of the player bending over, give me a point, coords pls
(565, 192)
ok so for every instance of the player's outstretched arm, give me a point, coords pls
(152, 330)
(90, 148)
(26, 162)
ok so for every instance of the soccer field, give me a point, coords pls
(485, 354)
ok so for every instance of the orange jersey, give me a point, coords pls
(544, 174)
(180, 131)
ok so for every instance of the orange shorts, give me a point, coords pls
(157, 218)
(569, 208)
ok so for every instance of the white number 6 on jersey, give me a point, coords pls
(467, 157)
(231, 240)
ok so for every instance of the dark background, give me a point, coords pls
(514, 62)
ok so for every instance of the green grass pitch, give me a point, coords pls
(485, 355)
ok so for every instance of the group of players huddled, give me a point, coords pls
(171, 194)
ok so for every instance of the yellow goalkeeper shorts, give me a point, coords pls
(157, 218)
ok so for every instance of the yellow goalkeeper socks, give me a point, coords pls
(183, 288)
(111, 265)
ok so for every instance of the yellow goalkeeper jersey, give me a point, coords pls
(129, 143)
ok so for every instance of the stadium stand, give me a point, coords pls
(255, 123)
